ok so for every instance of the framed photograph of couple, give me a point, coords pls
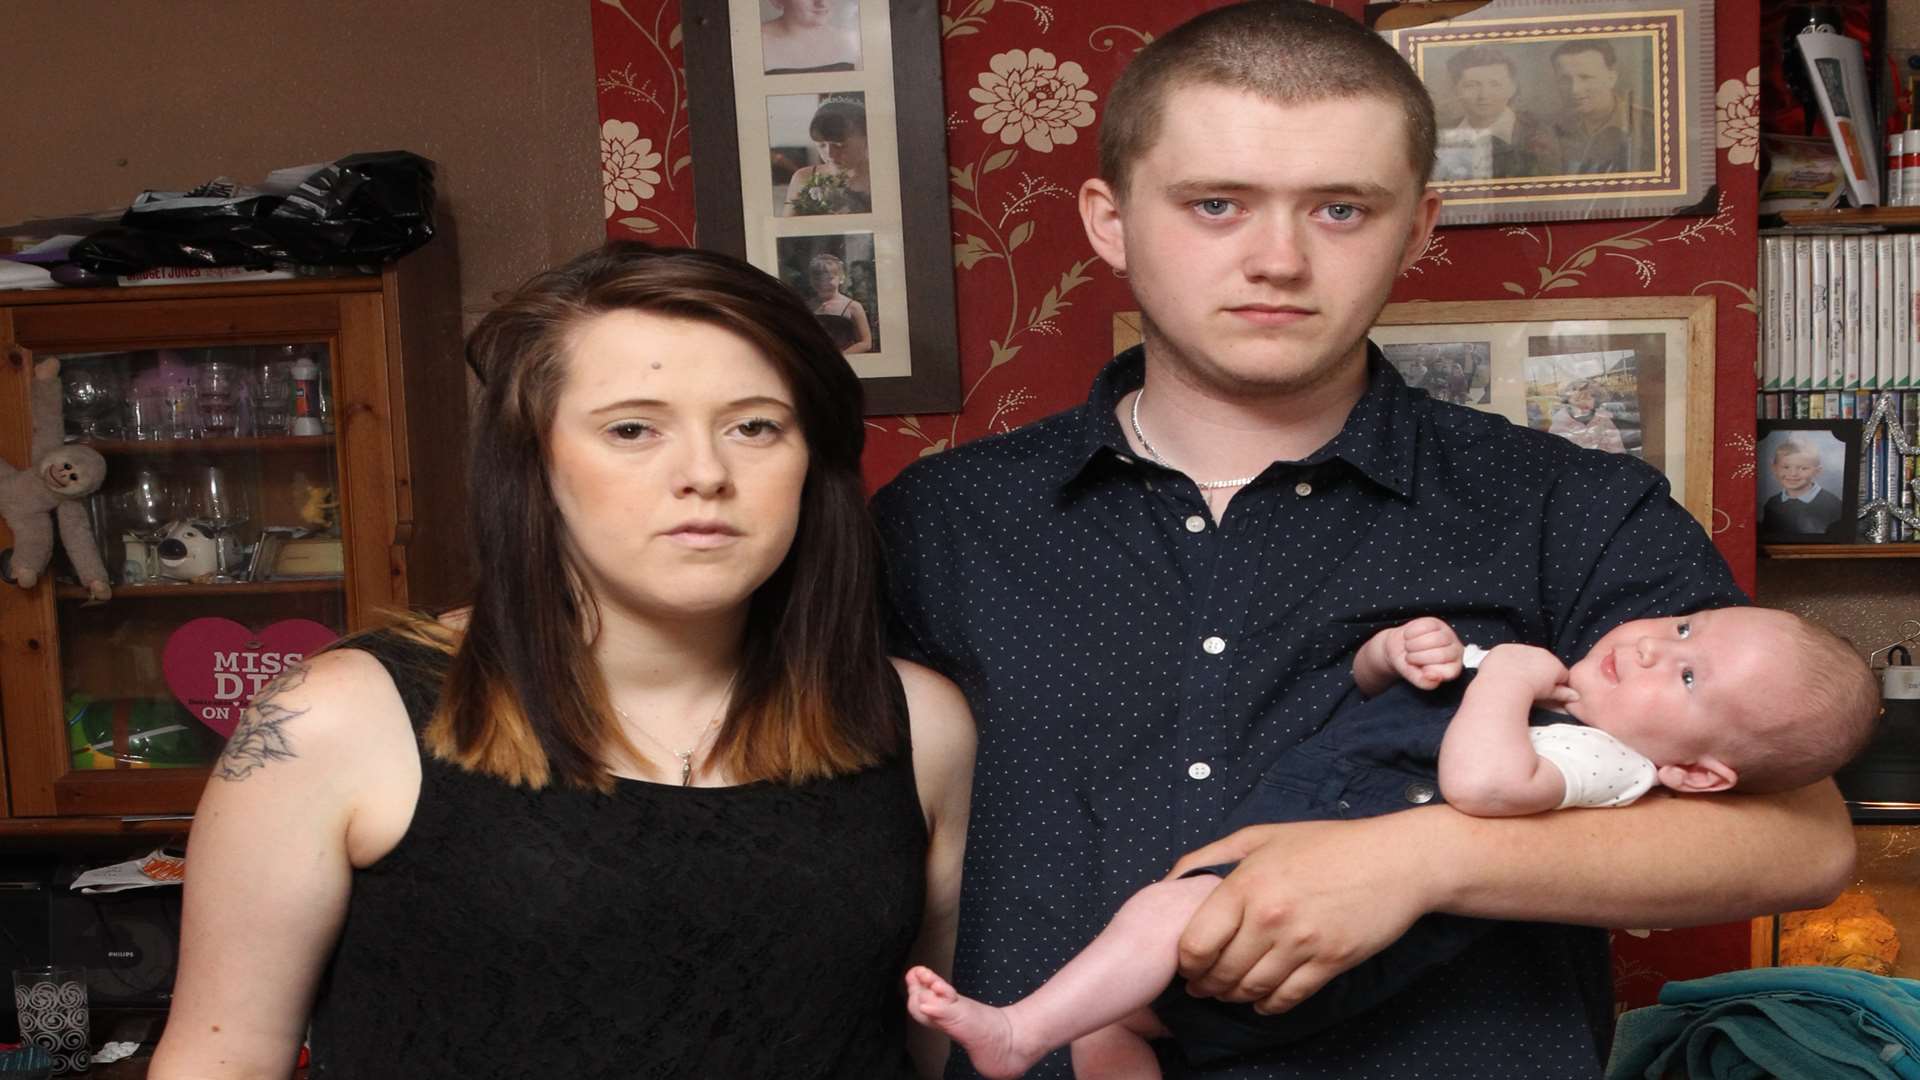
(1632, 375)
(1569, 110)
(819, 146)
(1808, 473)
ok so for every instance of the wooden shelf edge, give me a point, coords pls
(1878, 216)
(18, 828)
(350, 282)
(184, 589)
(1841, 551)
(247, 444)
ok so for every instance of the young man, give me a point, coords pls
(1493, 138)
(1600, 132)
(1150, 597)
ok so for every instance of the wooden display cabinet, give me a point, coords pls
(92, 728)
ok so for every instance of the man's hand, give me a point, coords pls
(1425, 652)
(1308, 901)
(1529, 666)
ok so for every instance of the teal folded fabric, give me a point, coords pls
(1817, 1023)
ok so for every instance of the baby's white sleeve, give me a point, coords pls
(1599, 769)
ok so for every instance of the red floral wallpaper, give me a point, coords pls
(1025, 87)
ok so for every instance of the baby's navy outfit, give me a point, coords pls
(1374, 756)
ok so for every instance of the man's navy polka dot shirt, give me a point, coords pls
(1134, 667)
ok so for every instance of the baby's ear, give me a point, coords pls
(1699, 777)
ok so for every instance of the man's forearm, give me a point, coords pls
(1661, 862)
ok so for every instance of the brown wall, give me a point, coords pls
(105, 98)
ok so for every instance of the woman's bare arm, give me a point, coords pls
(313, 781)
(943, 744)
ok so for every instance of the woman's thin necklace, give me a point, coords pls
(1204, 485)
(685, 756)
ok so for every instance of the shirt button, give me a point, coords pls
(1419, 792)
(1199, 770)
(1214, 645)
(1303, 488)
(1196, 523)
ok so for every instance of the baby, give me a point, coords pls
(1746, 699)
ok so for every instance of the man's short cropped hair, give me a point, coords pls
(1478, 56)
(1592, 45)
(1283, 51)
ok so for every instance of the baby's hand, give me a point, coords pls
(1425, 652)
(1541, 672)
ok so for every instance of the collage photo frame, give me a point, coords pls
(821, 158)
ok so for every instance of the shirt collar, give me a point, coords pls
(1378, 439)
(1811, 494)
(1501, 128)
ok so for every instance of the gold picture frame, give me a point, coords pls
(1649, 362)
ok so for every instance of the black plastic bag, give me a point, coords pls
(361, 209)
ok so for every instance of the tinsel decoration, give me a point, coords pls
(1880, 512)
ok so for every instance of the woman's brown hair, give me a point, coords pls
(524, 700)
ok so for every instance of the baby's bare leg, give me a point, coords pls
(1118, 974)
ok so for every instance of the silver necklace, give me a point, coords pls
(685, 756)
(1204, 485)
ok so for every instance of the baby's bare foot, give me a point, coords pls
(984, 1031)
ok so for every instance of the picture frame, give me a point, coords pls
(820, 154)
(1820, 458)
(1518, 356)
(1554, 110)
(1646, 364)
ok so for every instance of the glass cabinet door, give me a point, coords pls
(219, 525)
(277, 474)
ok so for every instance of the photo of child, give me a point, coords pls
(1803, 491)
(835, 275)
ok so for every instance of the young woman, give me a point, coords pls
(841, 315)
(810, 36)
(658, 803)
(842, 183)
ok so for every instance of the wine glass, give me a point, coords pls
(220, 503)
(145, 508)
(93, 397)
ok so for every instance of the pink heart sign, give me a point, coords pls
(215, 666)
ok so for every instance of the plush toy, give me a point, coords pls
(60, 479)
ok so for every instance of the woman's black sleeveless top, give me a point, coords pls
(659, 931)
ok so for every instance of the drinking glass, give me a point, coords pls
(180, 402)
(218, 502)
(52, 1006)
(93, 397)
(272, 397)
(217, 388)
(147, 412)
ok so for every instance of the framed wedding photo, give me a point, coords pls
(1808, 473)
(819, 146)
(1569, 109)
